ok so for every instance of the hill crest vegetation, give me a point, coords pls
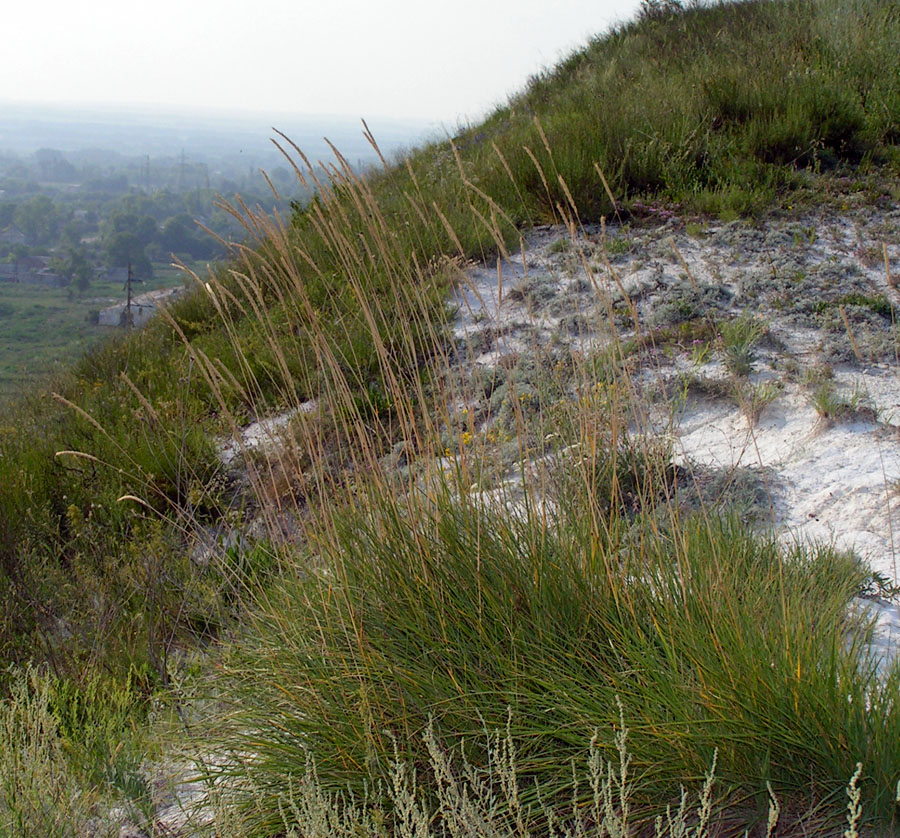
(353, 591)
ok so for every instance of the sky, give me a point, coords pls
(445, 62)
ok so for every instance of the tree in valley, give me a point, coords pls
(123, 249)
(76, 268)
(38, 219)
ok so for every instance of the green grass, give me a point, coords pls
(876, 303)
(833, 406)
(447, 615)
(658, 110)
(739, 337)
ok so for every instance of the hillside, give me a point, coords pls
(537, 395)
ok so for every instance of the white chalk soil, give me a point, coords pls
(264, 435)
(816, 417)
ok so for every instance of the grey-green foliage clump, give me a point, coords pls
(519, 389)
(830, 297)
(618, 247)
(38, 791)
(73, 757)
(683, 300)
(857, 327)
(536, 291)
(470, 800)
(743, 490)
(739, 338)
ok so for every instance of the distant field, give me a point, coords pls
(43, 330)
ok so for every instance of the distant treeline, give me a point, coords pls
(84, 214)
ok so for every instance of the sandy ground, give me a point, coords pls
(833, 484)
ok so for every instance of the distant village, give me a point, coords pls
(32, 270)
(76, 220)
(36, 270)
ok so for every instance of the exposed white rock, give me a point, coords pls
(834, 482)
(264, 434)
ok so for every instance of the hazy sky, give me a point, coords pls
(405, 58)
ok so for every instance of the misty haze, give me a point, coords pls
(86, 194)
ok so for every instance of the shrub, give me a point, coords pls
(38, 795)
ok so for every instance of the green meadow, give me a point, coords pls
(45, 330)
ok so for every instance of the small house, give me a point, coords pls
(12, 235)
(143, 307)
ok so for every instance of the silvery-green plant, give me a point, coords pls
(38, 795)
(739, 339)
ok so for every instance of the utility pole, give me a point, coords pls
(128, 316)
